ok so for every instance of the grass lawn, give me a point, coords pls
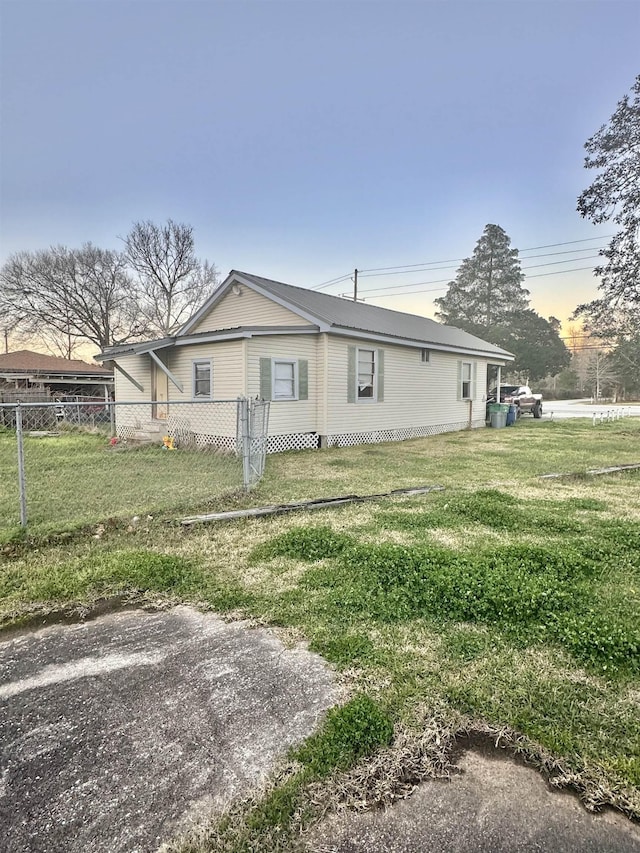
(504, 603)
(74, 479)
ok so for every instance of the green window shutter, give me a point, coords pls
(459, 388)
(380, 366)
(303, 379)
(351, 375)
(265, 378)
(474, 380)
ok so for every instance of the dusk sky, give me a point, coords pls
(302, 139)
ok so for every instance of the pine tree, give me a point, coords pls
(487, 289)
(614, 196)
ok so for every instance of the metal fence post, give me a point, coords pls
(21, 474)
(245, 432)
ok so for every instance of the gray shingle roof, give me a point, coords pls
(358, 316)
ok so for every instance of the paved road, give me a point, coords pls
(114, 732)
(585, 409)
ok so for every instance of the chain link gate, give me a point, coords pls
(253, 432)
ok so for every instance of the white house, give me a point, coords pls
(337, 372)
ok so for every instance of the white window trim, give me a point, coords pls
(468, 396)
(296, 387)
(425, 355)
(209, 363)
(374, 398)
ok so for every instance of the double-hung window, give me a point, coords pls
(465, 380)
(285, 379)
(202, 379)
(367, 374)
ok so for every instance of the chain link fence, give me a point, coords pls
(68, 463)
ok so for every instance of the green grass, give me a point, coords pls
(478, 457)
(75, 479)
(504, 601)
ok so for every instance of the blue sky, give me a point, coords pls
(304, 138)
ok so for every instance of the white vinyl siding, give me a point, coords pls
(246, 309)
(413, 396)
(227, 375)
(139, 368)
(286, 416)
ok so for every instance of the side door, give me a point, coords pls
(159, 393)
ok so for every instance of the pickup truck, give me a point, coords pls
(521, 396)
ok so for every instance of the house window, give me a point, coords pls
(465, 380)
(202, 379)
(424, 356)
(285, 380)
(366, 381)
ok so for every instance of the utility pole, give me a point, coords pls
(355, 285)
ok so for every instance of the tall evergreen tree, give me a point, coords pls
(614, 196)
(487, 289)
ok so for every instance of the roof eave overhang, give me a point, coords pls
(135, 349)
(248, 332)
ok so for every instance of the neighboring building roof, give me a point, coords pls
(27, 362)
(327, 313)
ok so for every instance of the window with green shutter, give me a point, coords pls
(284, 379)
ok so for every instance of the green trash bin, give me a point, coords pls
(498, 414)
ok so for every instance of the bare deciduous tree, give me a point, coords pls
(172, 281)
(68, 296)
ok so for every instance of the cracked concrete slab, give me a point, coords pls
(495, 805)
(115, 733)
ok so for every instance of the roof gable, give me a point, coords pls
(241, 305)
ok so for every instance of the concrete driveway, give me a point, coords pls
(494, 805)
(115, 733)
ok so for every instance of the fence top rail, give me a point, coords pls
(100, 403)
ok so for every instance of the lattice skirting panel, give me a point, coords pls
(310, 440)
(293, 441)
(350, 439)
(183, 438)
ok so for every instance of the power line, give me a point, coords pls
(555, 263)
(441, 280)
(331, 281)
(437, 281)
(457, 260)
(434, 269)
(568, 243)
